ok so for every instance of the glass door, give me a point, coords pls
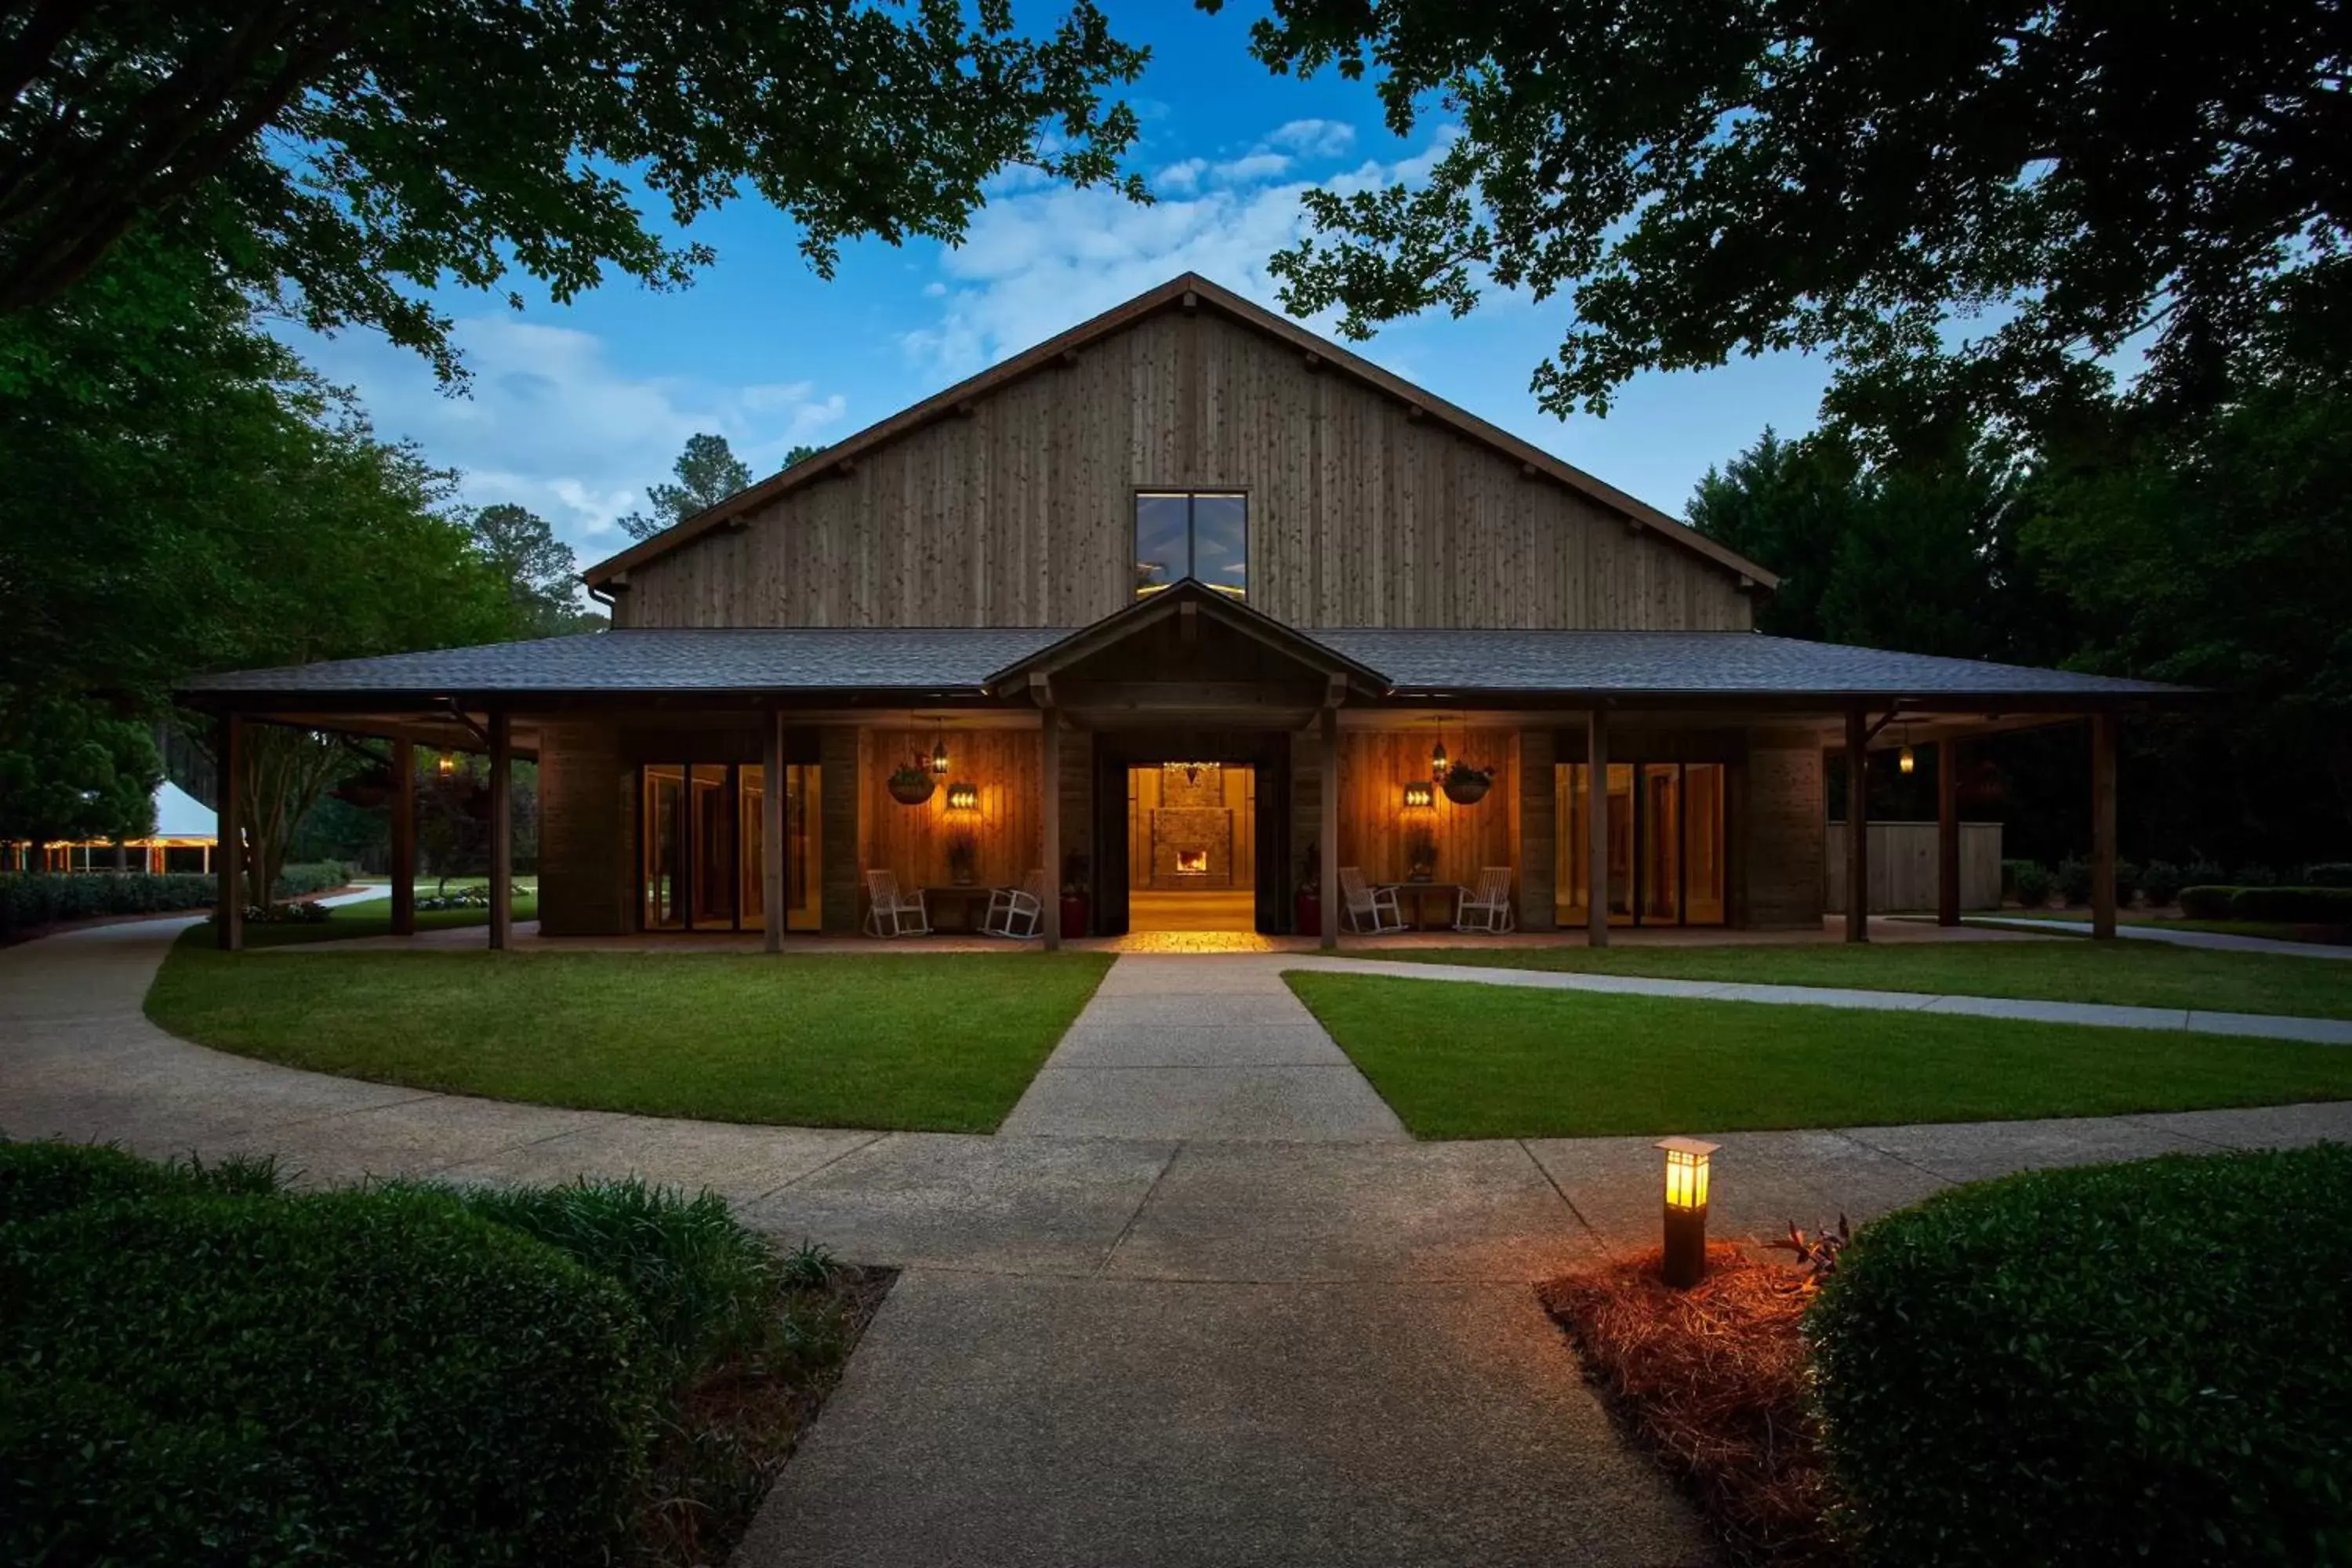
(1665, 843)
(702, 836)
(664, 837)
(1659, 826)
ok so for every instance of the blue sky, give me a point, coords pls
(575, 410)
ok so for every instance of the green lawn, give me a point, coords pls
(2061, 969)
(1461, 1061)
(373, 918)
(943, 1042)
(2271, 930)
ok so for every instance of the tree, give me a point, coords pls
(708, 473)
(1969, 210)
(69, 770)
(341, 158)
(541, 576)
(801, 454)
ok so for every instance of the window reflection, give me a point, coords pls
(1665, 843)
(702, 841)
(1199, 534)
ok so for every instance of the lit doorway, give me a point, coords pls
(1192, 847)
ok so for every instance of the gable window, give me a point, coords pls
(1191, 533)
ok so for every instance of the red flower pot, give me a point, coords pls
(1306, 912)
(1074, 910)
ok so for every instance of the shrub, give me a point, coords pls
(2161, 881)
(2121, 1363)
(2127, 884)
(2329, 874)
(39, 898)
(2075, 881)
(2256, 876)
(39, 1179)
(2308, 906)
(2031, 879)
(2207, 902)
(318, 877)
(355, 1377)
(704, 1284)
(2201, 872)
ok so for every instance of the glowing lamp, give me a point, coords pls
(446, 765)
(1437, 764)
(938, 756)
(1419, 797)
(1905, 759)
(963, 797)
(1686, 1169)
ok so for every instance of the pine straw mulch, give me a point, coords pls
(1714, 1382)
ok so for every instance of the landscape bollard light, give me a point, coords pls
(1686, 1165)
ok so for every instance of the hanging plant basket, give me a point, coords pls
(1466, 785)
(911, 787)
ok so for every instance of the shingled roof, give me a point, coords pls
(1411, 664)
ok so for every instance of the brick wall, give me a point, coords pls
(585, 883)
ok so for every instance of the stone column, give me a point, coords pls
(1857, 825)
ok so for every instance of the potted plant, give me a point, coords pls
(911, 783)
(1306, 908)
(1077, 903)
(963, 857)
(1466, 784)
(1420, 856)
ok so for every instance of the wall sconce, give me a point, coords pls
(446, 765)
(1419, 797)
(1686, 1169)
(1437, 762)
(963, 797)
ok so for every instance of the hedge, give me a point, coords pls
(2115, 1365)
(37, 1180)
(2293, 906)
(365, 1377)
(2329, 874)
(44, 898)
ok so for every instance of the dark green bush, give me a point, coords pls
(317, 877)
(2201, 872)
(44, 1178)
(705, 1283)
(2127, 884)
(2117, 1364)
(355, 1377)
(2329, 874)
(2207, 902)
(2307, 906)
(2161, 880)
(2256, 876)
(43, 898)
(2075, 881)
(2030, 879)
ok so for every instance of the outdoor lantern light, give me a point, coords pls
(963, 797)
(1419, 797)
(1905, 760)
(1437, 760)
(448, 765)
(938, 756)
(1686, 1160)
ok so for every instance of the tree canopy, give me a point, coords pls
(707, 472)
(541, 574)
(339, 159)
(1967, 207)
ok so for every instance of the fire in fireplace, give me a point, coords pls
(1191, 862)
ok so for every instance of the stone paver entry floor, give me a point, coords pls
(1199, 1302)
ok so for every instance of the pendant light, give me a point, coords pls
(1905, 760)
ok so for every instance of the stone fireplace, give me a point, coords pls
(1192, 828)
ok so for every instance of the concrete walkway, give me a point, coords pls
(2211, 941)
(1193, 1342)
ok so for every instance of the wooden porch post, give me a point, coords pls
(1947, 831)
(1049, 814)
(1857, 825)
(1327, 801)
(771, 837)
(404, 839)
(1596, 828)
(501, 828)
(228, 757)
(2103, 824)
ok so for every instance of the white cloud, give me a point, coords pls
(1179, 179)
(1261, 164)
(1313, 138)
(551, 423)
(1039, 263)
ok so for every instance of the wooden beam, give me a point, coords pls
(1049, 814)
(1947, 831)
(1596, 828)
(1327, 828)
(228, 760)
(1857, 825)
(772, 836)
(404, 839)
(501, 828)
(2103, 824)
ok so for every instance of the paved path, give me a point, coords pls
(1172, 1346)
(2214, 940)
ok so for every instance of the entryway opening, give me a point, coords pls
(1192, 846)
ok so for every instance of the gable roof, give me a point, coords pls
(1187, 290)
(1192, 594)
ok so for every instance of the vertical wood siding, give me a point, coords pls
(1375, 828)
(1021, 511)
(1006, 829)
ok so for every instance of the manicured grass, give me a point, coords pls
(2273, 931)
(937, 1041)
(1461, 1061)
(347, 921)
(2061, 969)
